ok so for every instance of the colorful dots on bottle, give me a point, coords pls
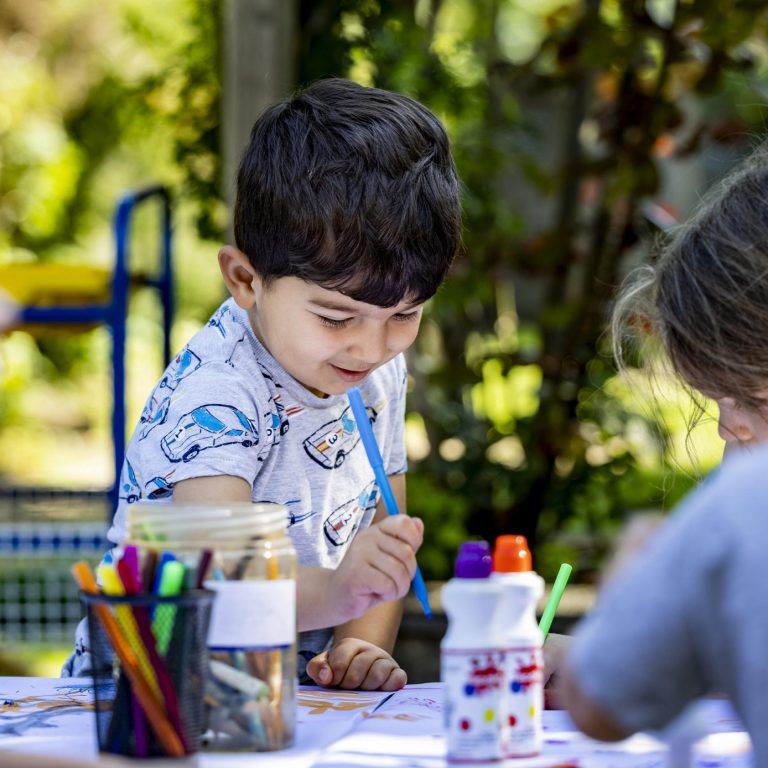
(471, 663)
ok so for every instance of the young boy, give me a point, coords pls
(347, 218)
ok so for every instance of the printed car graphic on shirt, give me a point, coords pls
(153, 415)
(275, 421)
(130, 490)
(216, 320)
(185, 363)
(344, 520)
(209, 426)
(296, 515)
(159, 488)
(233, 349)
(330, 444)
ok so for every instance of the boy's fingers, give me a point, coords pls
(340, 657)
(384, 675)
(373, 670)
(353, 676)
(356, 669)
(394, 556)
(380, 569)
(377, 584)
(357, 664)
(407, 529)
(419, 523)
(396, 680)
(325, 675)
(319, 669)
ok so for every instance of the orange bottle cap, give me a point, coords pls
(511, 554)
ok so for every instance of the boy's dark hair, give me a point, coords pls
(353, 189)
(706, 297)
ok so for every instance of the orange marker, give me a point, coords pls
(156, 716)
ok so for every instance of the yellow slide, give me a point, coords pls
(54, 284)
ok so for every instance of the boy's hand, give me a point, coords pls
(377, 567)
(356, 664)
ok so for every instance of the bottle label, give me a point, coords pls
(251, 615)
(523, 701)
(473, 681)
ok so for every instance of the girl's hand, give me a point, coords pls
(555, 650)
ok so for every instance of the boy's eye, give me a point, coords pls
(330, 322)
(404, 317)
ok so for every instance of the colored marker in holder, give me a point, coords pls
(156, 709)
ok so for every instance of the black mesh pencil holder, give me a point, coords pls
(150, 663)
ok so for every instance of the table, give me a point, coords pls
(53, 718)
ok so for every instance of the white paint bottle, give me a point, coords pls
(523, 700)
(472, 659)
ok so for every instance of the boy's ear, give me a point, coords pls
(238, 275)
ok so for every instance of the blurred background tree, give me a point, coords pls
(580, 128)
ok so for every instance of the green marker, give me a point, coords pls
(170, 584)
(554, 599)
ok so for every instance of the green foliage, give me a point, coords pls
(444, 514)
(94, 100)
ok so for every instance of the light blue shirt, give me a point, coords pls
(689, 616)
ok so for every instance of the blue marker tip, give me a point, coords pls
(377, 464)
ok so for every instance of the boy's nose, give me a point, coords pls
(371, 345)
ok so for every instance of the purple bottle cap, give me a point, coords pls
(474, 560)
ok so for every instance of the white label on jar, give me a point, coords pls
(473, 689)
(523, 701)
(252, 614)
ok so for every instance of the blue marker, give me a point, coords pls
(377, 465)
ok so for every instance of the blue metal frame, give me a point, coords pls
(114, 314)
(119, 309)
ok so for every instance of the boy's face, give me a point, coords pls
(325, 340)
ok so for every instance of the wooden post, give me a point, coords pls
(259, 69)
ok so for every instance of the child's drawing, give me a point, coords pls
(43, 710)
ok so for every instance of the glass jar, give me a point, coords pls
(251, 691)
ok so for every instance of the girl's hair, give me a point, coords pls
(706, 295)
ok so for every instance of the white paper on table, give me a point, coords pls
(335, 729)
(405, 729)
(48, 716)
